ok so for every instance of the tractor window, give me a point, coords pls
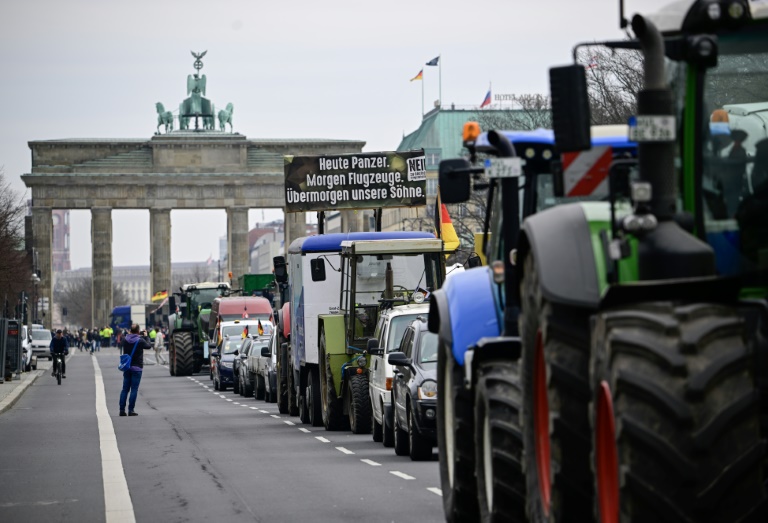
(735, 168)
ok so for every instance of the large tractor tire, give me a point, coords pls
(184, 357)
(554, 374)
(282, 381)
(314, 405)
(331, 407)
(293, 397)
(676, 410)
(455, 440)
(499, 442)
(359, 404)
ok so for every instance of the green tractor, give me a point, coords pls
(375, 274)
(644, 328)
(188, 347)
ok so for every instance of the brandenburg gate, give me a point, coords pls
(194, 167)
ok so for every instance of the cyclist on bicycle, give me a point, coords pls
(59, 345)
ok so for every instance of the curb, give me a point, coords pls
(13, 397)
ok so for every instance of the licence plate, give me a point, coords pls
(649, 128)
(503, 167)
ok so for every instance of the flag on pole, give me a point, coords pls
(419, 76)
(434, 61)
(487, 100)
(159, 296)
(261, 329)
(210, 259)
(245, 332)
(444, 228)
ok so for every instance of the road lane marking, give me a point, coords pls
(222, 396)
(275, 416)
(304, 430)
(118, 506)
(264, 411)
(435, 490)
(400, 474)
(345, 451)
(253, 408)
(244, 406)
(320, 438)
(371, 462)
(288, 422)
(228, 399)
(236, 403)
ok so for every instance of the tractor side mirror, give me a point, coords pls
(454, 180)
(281, 269)
(317, 268)
(570, 108)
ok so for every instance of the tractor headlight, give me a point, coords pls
(428, 390)
(361, 361)
(418, 297)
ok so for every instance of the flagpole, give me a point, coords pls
(422, 97)
(440, 79)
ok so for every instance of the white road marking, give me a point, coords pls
(274, 416)
(222, 396)
(118, 507)
(371, 462)
(288, 422)
(228, 399)
(401, 474)
(235, 403)
(304, 430)
(320, 438)
(435, 490)
(244, 406)
(264, 411)
(345, 451)
(254, 408)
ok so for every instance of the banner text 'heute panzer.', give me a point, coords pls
(355, 181)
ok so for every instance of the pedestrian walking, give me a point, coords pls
(160, 347)
(136, 344)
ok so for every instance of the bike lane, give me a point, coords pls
(50, 450)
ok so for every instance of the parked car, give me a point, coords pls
(29, 359)
(414, 392)
(389, 332)
(40, 342)
(242, 373)
(254, 361)
(225, 356)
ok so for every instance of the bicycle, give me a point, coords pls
(57, 361)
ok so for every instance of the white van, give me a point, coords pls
(389, 331)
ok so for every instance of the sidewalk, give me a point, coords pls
(11, 390)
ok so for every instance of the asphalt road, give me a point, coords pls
(193, 454)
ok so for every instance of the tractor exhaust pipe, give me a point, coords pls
(656, 158)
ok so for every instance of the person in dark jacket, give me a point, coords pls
(132, 376)
(59, 344)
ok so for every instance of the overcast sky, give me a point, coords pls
(294, 69)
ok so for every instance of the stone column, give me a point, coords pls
(237, 241)
(42, 242)
(101, 251)
(295, 227)
(160, 249)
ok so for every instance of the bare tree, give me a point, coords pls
(530, 111)
(76, 296)
(15, 265)
(614, 76)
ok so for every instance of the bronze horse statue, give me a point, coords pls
(164, 118)
(225, 117)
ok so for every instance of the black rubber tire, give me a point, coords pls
(377, 430)
(565, 345)
(457, 449)
(401, 439)
(236, 385)
(34, 367)
(215, 384)
(419, 447)
(331, 405)
(185, 356)
(171, 357)
(314, 407)
(282, 380)
(210, 373)
(686, 409)
(359, 406)
(293, 402)
(248, 386)
(260, 389)
(58, 376)
(499, 442)
(303, 410)
(271, 396)
(388, 429)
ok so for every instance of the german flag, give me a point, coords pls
(245, 332)
(261, 329)
(159, 296)
(444, 228)
(419, 76)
